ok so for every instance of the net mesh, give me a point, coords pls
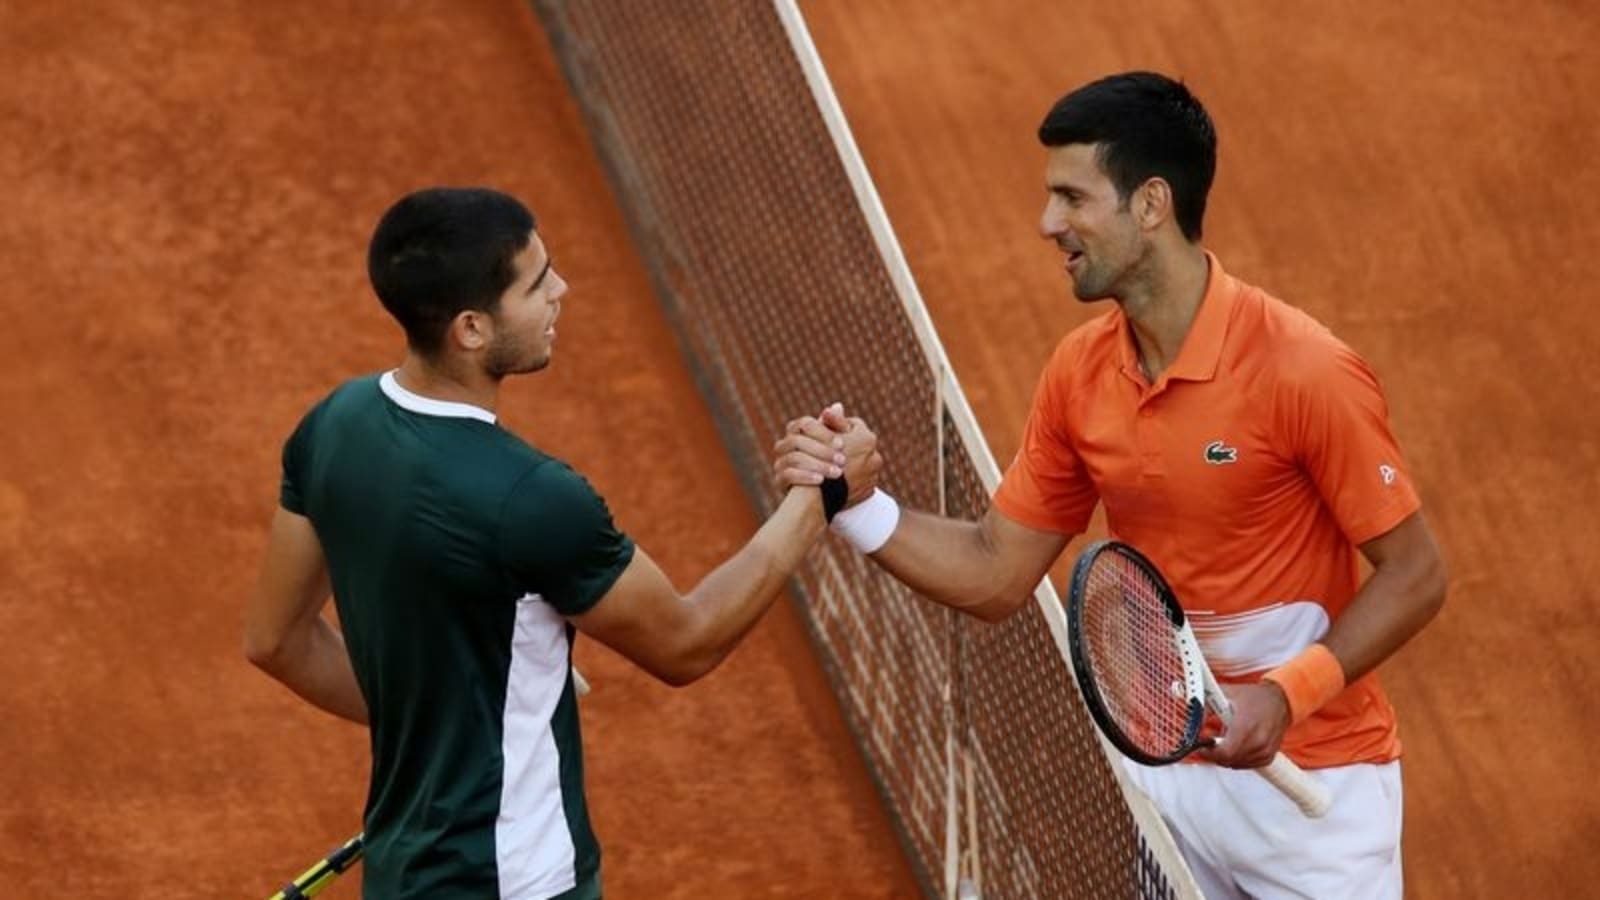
(1132, 654)
(746, 218)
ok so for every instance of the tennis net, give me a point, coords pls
(782, 279)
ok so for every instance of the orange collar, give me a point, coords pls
(1202, 346)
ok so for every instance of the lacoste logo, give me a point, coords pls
(1220, 454)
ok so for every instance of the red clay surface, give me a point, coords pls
(189, 189)
(1421, 178)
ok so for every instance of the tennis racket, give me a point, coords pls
(1141, 671)
(323, 873)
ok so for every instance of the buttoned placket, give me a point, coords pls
(1148, 431)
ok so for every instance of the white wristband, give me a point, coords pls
(868, 524)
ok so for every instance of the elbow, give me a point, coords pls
(684, 671)
(1427, 581)
(999, 606)
(686, 661)
(260, 656)
(263, 651)
(1436, 585)
(678, 678)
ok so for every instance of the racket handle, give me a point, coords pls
(1307, 793)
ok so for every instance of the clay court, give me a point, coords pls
(192, 187)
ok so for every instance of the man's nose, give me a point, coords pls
(1051, 222)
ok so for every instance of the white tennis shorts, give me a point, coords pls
(1244, 840)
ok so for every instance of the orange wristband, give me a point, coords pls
(1309, 681)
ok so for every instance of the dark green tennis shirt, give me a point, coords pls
(455, 551)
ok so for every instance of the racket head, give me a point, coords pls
(1138, 675)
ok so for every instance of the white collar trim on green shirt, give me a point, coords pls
(427, 405)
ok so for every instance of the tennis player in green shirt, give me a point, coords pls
(461, 560)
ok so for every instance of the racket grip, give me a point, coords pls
(1307, 793)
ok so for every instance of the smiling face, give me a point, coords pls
(1095, 229)
(524, 320)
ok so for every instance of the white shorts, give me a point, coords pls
(1243, 839)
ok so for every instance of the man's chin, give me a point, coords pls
(1088, 296)
(527, 368)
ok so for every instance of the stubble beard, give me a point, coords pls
(508, 359)
(1091, 285)
(1101, 282)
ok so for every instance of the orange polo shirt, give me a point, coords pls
(1249, 473)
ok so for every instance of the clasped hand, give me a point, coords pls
(828, 445)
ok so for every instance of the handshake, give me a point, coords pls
(839, 454)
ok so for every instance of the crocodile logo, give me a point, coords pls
(1220, 454)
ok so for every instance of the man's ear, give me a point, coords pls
(470, 330)
(1152, 203)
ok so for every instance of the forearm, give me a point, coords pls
(951, 562)
(729, 601)
(315, 664)
(1391, 607)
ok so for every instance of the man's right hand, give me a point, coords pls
(826, 446)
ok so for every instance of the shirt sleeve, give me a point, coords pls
(1047, 486)
(557, 538)
(297, 466)
(1337, 421)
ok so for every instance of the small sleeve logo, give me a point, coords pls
(1387, 473)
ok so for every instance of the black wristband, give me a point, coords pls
(835, 494)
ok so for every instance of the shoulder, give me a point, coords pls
(1092, 341)
(1292, 347)
(1096, 336)
(356, 392)
(1079, 360)
(498, 468)
(552, 486)
(1307, 373)
(316, 431)
(554, 510)
(548, 472)
(359, 387)
(341, 396)
(359, 390)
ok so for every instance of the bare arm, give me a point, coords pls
(680, 638)
(1405, 591)
(986, 569)
(285, 634)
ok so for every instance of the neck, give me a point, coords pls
(455, 381)
(1162, 306)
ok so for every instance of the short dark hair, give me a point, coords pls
(1147, 126)
(440, 251)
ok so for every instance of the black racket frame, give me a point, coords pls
(1077, 644)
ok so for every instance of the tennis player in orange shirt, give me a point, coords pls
(1247, 452)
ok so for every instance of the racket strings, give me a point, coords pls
(1134, 656)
